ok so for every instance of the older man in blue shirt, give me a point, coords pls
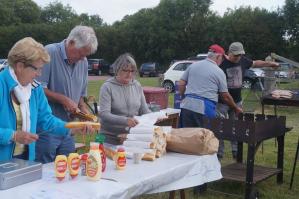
(65, 83)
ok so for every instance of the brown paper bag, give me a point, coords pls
(195, 141)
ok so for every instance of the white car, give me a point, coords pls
(174, 73)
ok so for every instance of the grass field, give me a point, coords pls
(268, 189)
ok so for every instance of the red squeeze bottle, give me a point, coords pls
(100, 139)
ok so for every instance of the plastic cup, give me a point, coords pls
(137, 158)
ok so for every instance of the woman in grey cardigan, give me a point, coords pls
(121, 98)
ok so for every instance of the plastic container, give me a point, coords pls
(83, 158)
(100, 138)
(60, 167)
(155, 95)
(94, 163)
(120, 160)
(177, 97)
(73, 162)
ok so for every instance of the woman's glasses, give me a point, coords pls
(128, 71)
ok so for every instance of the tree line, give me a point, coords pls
(175, 29)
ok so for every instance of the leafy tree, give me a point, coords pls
(260, 31)
(18, 11)
(56, 12)
(291, 16)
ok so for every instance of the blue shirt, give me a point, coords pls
(40, 115)
(204, 79)
(61, 77)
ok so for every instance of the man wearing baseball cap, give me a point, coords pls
(234, 66)
(201, 83)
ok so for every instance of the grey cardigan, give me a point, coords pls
(118, 102)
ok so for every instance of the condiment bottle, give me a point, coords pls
(73, 161)
(120, 159)
(94, 163)
(100, 138)
(83, 163)
(60, 167)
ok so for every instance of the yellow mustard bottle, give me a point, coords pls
(60, 167)
(94, 162)
(73, 162)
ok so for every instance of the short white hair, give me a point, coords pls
(212, 55)
(83, 36)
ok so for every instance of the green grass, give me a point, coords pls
(268, 189)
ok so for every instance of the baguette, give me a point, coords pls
(73, 125)
(110, 153)
(149, 157)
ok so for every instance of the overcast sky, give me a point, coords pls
(113, 10)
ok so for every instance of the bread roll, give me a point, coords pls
(149, 157)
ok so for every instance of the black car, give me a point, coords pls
(151, 69)
(98, 66)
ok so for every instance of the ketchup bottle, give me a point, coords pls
(100, 138)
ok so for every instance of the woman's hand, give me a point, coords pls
(132, 122)
(86, 129)
(24, 137)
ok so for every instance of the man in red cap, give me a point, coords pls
(201, 83)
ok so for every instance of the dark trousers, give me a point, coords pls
(191, 119)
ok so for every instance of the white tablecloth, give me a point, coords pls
(170, 172)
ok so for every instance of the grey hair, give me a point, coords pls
(212, 55)
(124, 61)
(83, 36)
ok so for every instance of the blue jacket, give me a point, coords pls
(40, 115)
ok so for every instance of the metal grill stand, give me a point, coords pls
(251, 129)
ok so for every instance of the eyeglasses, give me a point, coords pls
(36, 69)
(128, 71)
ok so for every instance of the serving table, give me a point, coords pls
(170, 172)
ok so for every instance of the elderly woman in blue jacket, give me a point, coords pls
(24, 107)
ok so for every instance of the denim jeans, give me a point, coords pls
(48, 146)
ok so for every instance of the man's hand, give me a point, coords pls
(132, 122)
(69, 105)
(25, 137)
(238, 110)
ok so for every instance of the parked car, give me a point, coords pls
(98, 66)
(174, 73)
(151, 69)
(285, 71)
(3, 63)
(198, 57)
(253, 76)
(111, 70)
